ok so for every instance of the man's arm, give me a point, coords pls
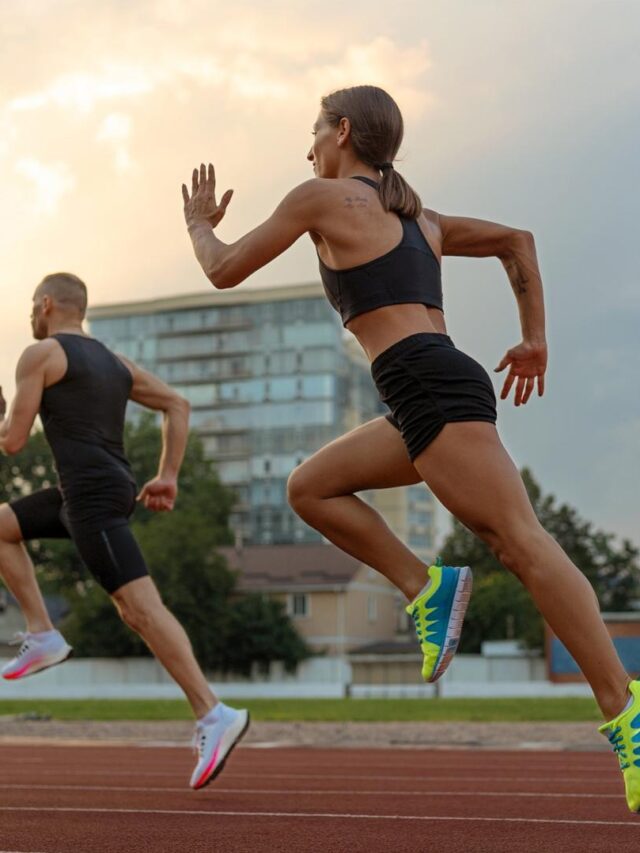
(30, 378)
(515, 248)
(152, 393)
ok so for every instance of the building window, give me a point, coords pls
(372, 608)
(420, 540)
(299, 605)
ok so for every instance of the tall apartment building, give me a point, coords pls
(271, 377)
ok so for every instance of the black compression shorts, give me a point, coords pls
(107, 545)
(427, 383)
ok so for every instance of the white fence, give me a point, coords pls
(144, 678)
(322, 677)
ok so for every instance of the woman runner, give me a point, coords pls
(379, 254)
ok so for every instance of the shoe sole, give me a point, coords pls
(68, 655)
(220, 767)
(454, 629)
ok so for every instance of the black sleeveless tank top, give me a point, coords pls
(83, 417)
(410, 272)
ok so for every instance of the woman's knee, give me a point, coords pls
(300, 488)
(516, 547)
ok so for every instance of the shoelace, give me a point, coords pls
(427, 623)
(22, 639)
(198, 741)
(616, 740)
(416, 620)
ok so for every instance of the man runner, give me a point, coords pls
(81, 389)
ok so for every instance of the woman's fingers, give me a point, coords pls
(508, 382)
(541, 385)
(530, 385)
(204, 178)
(505, 361)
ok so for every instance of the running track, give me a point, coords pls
(107, 799)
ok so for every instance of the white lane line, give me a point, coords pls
(313, 791)
(235, 774)
(329, 815)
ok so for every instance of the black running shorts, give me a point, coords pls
(427, 383)
(105, 543)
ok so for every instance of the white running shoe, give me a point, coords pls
(37, 652)
(214, 741)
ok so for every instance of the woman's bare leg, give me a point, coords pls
(321, 491)
(470, 472)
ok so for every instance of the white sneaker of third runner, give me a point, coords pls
(215, 737)
(37, 652)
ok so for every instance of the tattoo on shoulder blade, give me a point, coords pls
(356, 201)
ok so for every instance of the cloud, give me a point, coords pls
(115, 130)
(82, 91)
(50, 182)
(246, 71)
(380, 62)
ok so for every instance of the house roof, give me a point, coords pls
(283, 568)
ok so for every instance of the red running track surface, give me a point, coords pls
(105, 799)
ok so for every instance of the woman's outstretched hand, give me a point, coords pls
(527, 363)
(202, 206)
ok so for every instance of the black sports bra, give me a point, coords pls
(410, 272)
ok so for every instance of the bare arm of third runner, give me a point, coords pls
(30, 379)
(152, 393)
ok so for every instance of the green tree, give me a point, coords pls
(500, 607)
(256, 624)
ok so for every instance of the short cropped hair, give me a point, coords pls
(66, 289)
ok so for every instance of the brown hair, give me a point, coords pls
(66, 289)
(376, 134)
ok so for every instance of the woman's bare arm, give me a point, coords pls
(515, 248)
(226, 265)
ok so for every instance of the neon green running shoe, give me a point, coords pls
(623, 733)
(438, 613)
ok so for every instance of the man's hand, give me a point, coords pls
(159, 494)
(527, 362)
(202, 206)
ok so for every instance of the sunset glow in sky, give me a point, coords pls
(521, 112)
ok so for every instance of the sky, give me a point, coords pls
(522, 112)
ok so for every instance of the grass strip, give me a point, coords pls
(320, 710)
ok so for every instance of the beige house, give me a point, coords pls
(336, 603)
